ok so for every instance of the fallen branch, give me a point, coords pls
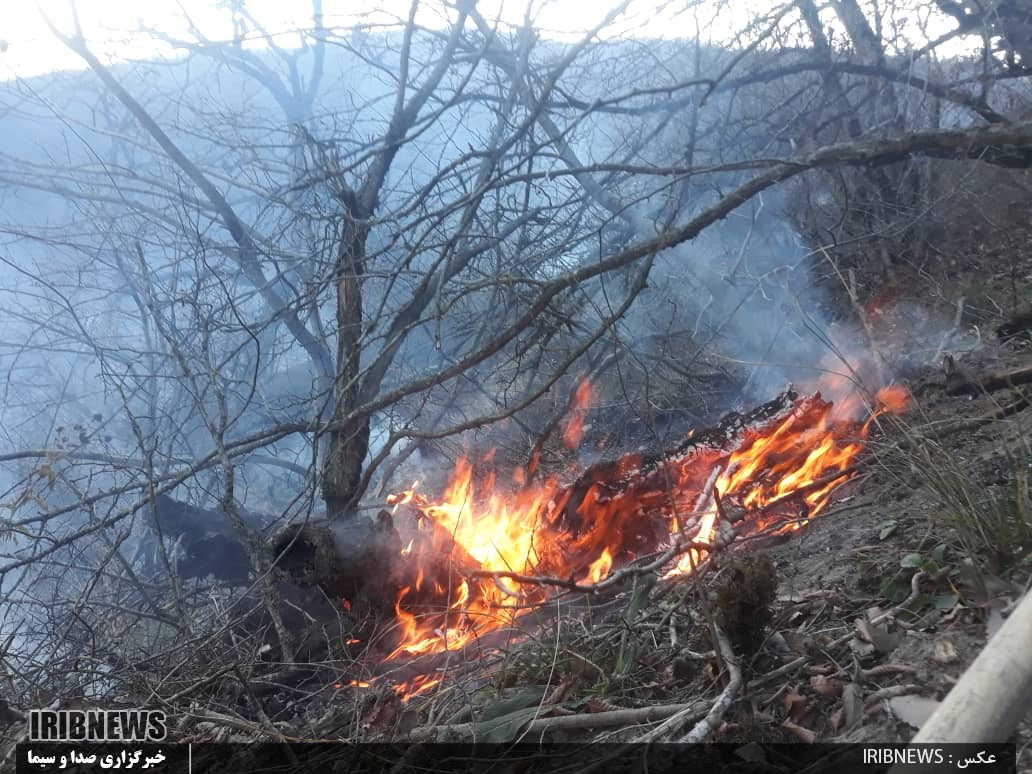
(688, 714)
(257, 730)
(611, 719)
(971, 423)
(727, 516)
(1017, 324)
(936, 431)
(630, 571)
(709, 718)
(796, 494)
(872, 702)
(730, 693)
(959, 382)
(792, 666)
(995, 692)
(887, 670)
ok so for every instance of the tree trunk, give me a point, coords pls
(899, 189)
(832, 83)
(349, 438)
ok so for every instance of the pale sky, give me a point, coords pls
(113, 26)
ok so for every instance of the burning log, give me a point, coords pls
(373, 567)
(346, 560)
(440, 585)
(317, 623)
(769, 470)
(656, 488)
(476, 557)
(615, 477)
(447, 571)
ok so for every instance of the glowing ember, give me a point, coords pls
(471, 542)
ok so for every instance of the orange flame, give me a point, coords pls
(600, 568)
(417, 685)
(581, 402)
(478, 549)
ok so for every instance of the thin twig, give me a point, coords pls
(611, 719)
(727, 697)
(792, 666)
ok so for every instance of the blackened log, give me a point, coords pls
(341, 558)
(207, 539)
(626, 506)
(1018, 324)
(623, 427)
(362, 561)
(317, 622)
(336, 580)
(959, 382)
(353, 560)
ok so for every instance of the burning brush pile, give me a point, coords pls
(436, 575)
(451, 571)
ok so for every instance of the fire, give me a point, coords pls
(574, 431)
(600, 568)
(479, 548)
(414, 687)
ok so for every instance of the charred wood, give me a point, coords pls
(341, 578)
(1015, 326)
(336, 578)
(623, 427)
(626, 507)
(354, 560)
(643, 475)
(209, 544)
(960, 382)
(319, 623)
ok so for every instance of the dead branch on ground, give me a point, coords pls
(959, 382)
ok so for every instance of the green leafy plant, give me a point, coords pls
(943, 595)
(887, 529)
